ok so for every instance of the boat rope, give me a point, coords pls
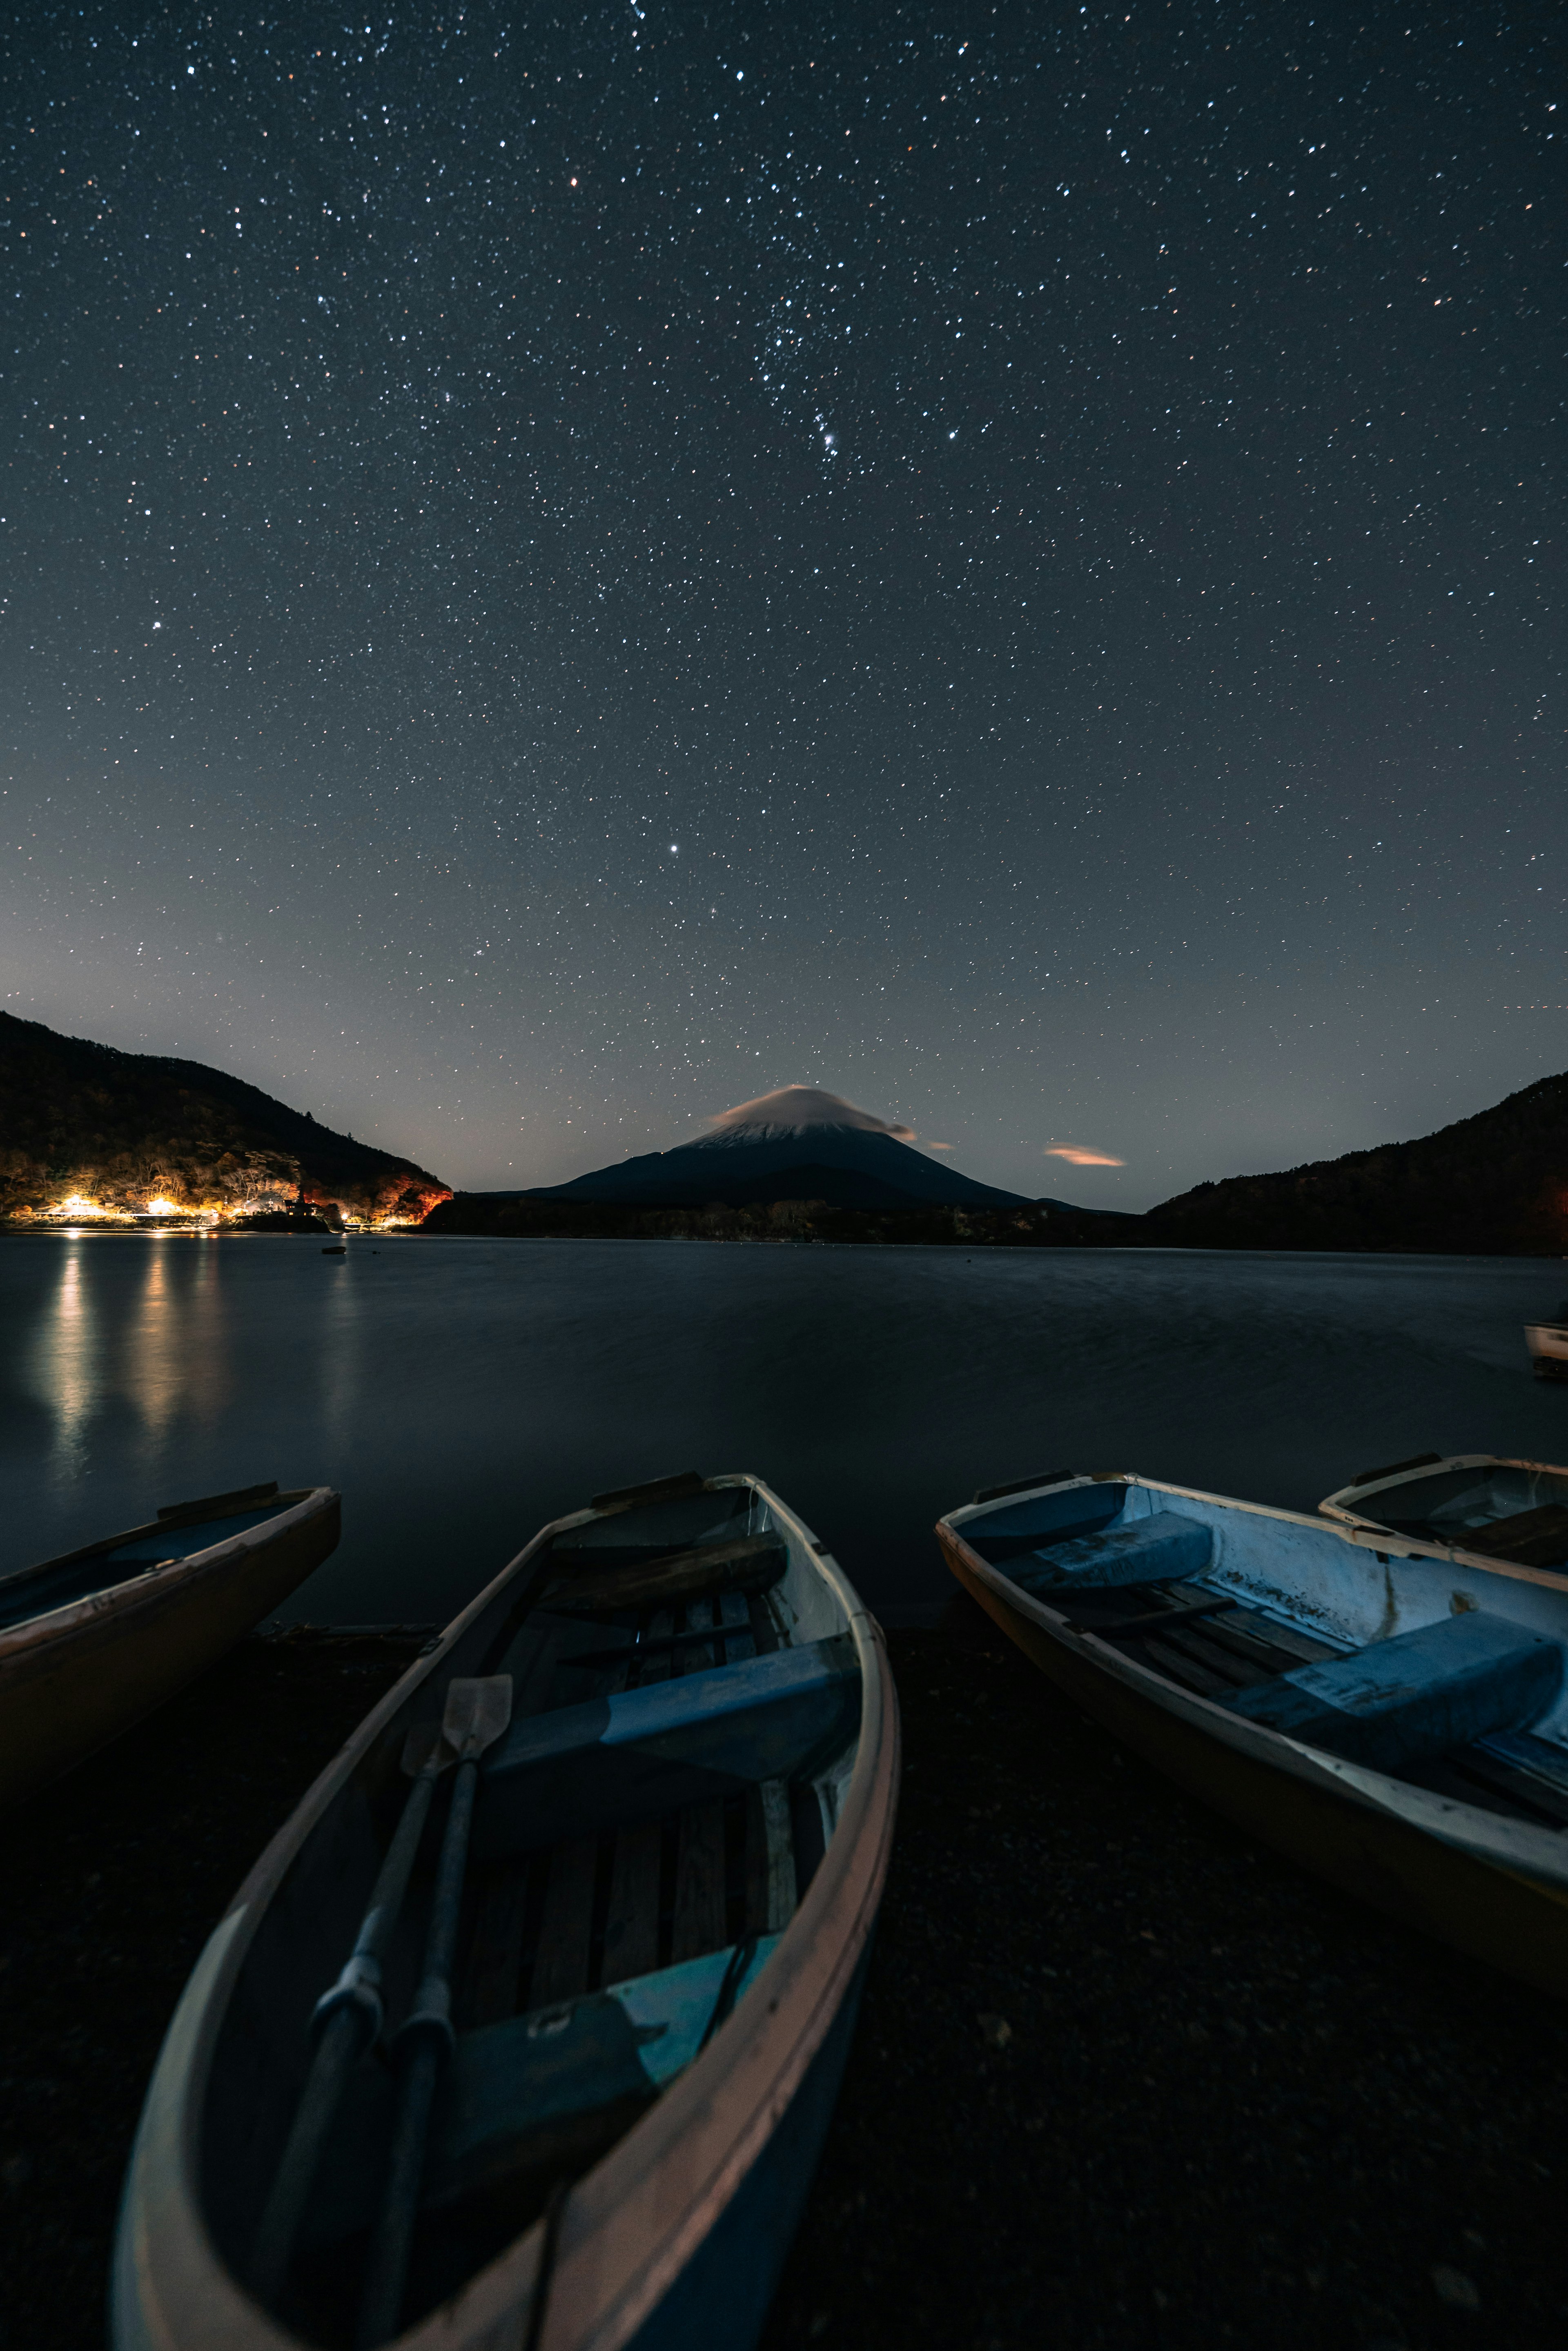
(740, 1960)
(546, 2271)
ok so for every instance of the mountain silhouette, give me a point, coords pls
(76, 1116)
(1495, 1183)
(796, 1143)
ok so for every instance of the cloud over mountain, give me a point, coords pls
(790, 1110)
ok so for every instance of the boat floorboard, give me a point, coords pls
(563, 1661)
(1227, 1647)
(553, 1925)
(631, 1921)
(495, 1954)
(699, 1924)
(1214, 1654)
(1178, 1667)
(561, 1963)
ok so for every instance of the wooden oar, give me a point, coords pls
(478, 1712)
(345, 2022)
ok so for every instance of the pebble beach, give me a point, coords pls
(1122, 2078)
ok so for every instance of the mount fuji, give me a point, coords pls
(796, 1143)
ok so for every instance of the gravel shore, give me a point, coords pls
(1122, 2078)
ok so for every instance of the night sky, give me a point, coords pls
(564, 569)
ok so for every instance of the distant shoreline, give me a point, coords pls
(1036, 1226)
(1123, 1243)
(1031, 1225)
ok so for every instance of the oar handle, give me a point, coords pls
(431, 2010)
(423, 2044)
(337, 2053)
(345, 2023)
(359, 1985)
(386, 2280)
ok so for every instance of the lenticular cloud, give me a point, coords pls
(790, 1110)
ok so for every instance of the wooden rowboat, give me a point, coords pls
(677, 1849)
(1481, 1510)
(91, 1642)
(1393, 1719)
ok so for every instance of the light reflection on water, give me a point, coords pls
(63, 1360)
(157, 1347)
(459, 1393)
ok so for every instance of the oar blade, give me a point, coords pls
(478, 1712)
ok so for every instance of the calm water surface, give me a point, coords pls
(461, 1391)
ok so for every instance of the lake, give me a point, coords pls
(460, 1392)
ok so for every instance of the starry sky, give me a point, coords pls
(563, 569)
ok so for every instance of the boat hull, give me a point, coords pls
(72, 1681)
(676, 2236)
(1548, 1345)
(1501, 1915)
(721, 2296)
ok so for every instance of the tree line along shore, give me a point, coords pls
(87, 1131)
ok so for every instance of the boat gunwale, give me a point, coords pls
(1541, 1853)
(178, 1515)
(1356, 1526)
(1366, 1533)
(154, 1583)
(795, 1999)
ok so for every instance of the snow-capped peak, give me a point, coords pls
(792, 1110)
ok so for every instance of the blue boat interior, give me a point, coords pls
(517, 2093)
(58, 1583)
(643, 1831)
(1459, 1686)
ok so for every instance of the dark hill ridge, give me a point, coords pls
(122, 1128)
(1494, 1185)
(796, 1143)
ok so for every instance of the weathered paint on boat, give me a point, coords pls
(676, 2235)
(1490, 1886)
(76, 1674)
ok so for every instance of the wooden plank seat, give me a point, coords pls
(570, 1659)
(1536, 1538)
(539, 2096)
(1399, 1703)
(730, 1614)
(1145, 1551)
(579, 1769)
(750, 1563)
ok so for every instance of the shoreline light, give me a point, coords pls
(79, 1206)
